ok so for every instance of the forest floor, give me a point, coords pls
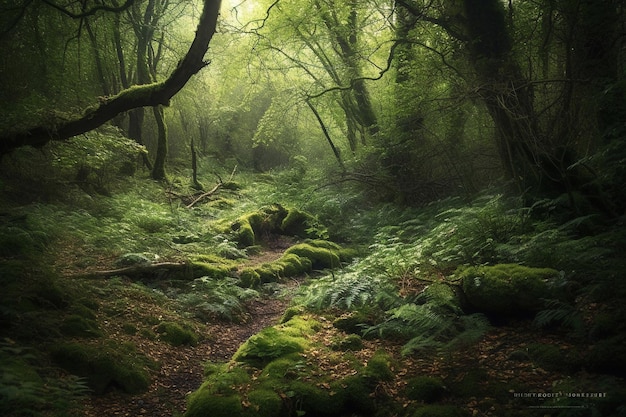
(181, 368)
(487, 374)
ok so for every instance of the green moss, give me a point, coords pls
(244, 229)
(129, 328)
(424, 389)
(212, 270)
(175, 335)
(77, 326)
(267, 345)
(249, 278)
(298, 223)
(264, 403)
(379, 366)
(105, 365)
(354, 394)
(320, 257)
(351, 342)
(313, 400)
(291, 312)
(224, 379)
(439, 411)
(273, 342)
(203, 404)
(507, 289)
(284, 368)
(352, 322)
(288, 265)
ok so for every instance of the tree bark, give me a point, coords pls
(158, 170)
(154, 94)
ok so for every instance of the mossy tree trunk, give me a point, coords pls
(149, 95)
(158, 170)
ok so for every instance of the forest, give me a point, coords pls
(319, 208)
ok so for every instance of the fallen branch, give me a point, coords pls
(205, 195)
(142, 270)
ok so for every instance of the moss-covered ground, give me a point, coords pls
(286, 321)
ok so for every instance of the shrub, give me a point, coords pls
(175, 335)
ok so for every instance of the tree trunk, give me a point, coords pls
(158, 171)
(153, 94)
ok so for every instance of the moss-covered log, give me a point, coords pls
(134, 97)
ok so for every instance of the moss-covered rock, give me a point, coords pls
(176, 335)
(424, 389)
(252, 228)
(289, 265)
(105, 365)
(320, 257)
(203, 404)
(313, 400)
(354, 394)
(286, 367)
(379, 366)
(298, 223)
(507, 289)
(264, 403)
(249, 278)
(277, 341)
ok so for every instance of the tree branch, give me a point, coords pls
(89, 12)
(136, 96)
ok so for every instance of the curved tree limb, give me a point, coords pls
(148, 95)
(89, 12)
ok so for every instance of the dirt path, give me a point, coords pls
(181, 368)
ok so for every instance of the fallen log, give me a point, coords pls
(156, 270)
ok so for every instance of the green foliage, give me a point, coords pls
(23, 392)
(434, 321)
(97, 158)
(349, 290)
(209, 298)
(561, 313)
(105, 365)
(472, 234)
(176, 335)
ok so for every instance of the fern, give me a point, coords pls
(216, 298)
(348, 291)
(561, 313)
